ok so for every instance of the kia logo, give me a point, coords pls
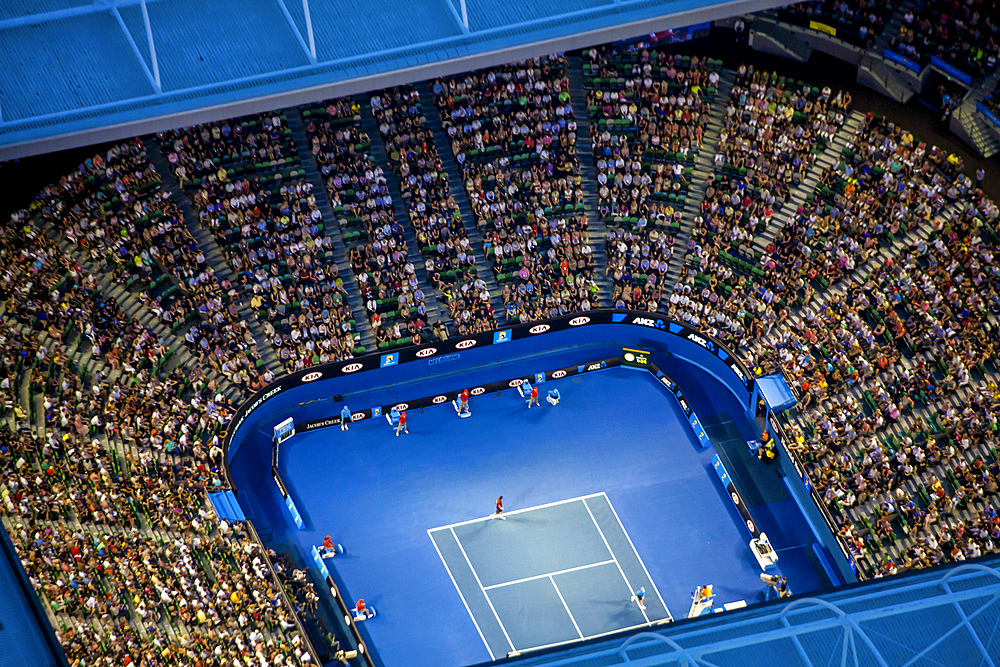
(357, 415)
(736, 499)
(515, 383)
(351, 368)
(477, 391)
(558, 374)
(539, 328)
(577, 321)
(426, 352)
(465, 344)
(309, 377)
(402, 406)
(439, 399)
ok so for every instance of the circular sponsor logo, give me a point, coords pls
(577, 321)
(539, 328)
(357, 416)
(439, 399)
(465, 344)
(515, 383)
(629, 356)
(351, 368)
(309, 377)
(402, 406)
(558, 374)
(751, 526)
(426, 352)
(477, 391)
(736, 499)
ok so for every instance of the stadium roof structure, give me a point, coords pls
(943, 617)
(78, 72)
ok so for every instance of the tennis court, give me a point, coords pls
(549, 574)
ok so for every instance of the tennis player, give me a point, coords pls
(639, 596)
(499, 513)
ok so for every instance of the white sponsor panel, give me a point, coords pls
(695, 338)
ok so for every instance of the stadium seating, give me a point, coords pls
(125, 353)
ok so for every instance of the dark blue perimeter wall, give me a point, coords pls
(617, 431)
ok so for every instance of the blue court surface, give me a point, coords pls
(548, 575)
(605, 492)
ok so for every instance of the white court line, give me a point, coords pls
(452, 577)
(549, 575)
(634, 550)
(563, 600)
(515, 512)
(487, 595)
(598, 527)
(597, 636)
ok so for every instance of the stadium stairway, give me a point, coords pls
(971, 125)
(457, 187)
(704, 173)
(338, 254)
(797, 198)
(377, 150)
(134, 308)
(212, 251)
(597, 230)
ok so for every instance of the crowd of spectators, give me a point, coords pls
(106, 454)
(359, 192)
(114, 209)
(266, 219)
(773, 130)
(450, 260)
(858, 21)
(648, 110)
(896, 393)
(513, 134)
(965, 35)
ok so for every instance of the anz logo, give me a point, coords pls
(351, 368)
(439, 399)
(539, 328)
(465, 344)
(577, 321)
(477, 391)
(426, 352)
(558, 374)
(736, 369)
(648, 322)
(695, 338)
(310, 377)
(595, 367)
